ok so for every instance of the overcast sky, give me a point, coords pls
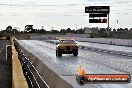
(61, 13)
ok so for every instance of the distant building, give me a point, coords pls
(93, 32)
(28, 28)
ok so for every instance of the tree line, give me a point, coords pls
(101, 31)
(9, 29)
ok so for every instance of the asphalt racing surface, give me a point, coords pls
(93, 62)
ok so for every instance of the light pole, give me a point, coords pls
(76, 26)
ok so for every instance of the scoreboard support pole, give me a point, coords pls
(108, 26)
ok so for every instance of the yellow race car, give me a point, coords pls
(66, 46)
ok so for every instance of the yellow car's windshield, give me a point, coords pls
(67, 42)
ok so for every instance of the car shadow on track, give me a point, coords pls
(68, 58)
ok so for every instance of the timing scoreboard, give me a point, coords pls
(98, 14)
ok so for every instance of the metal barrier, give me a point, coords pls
(32, 76)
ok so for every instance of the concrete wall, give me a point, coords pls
(42, 36)
(78, 37)
(122, 42)
(122, 34)
(50, 36)
(21, 36)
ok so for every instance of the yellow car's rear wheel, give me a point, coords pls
(75, 53)
(58, 53)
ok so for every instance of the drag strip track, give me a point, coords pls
(93, 62)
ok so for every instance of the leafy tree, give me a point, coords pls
(54, 31)
(62, 31)
(42, 31)
(68, 30)
(9, 29)
(119, 29)
(114, 29)
(80, 31)
(15, 31)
